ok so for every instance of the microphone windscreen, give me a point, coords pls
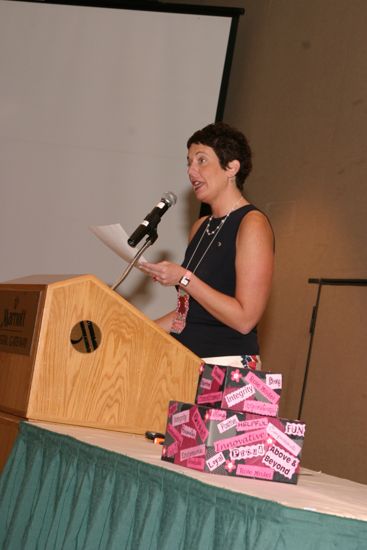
(170, 197)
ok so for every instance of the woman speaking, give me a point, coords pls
(224, 281)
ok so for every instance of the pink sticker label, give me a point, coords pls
(217, 414)
(255, 471)
(280, 461)
(209, 397)
(181, 418)
(215, 461)
(196, 463)
(283, 439)
(199, 425)
(173, 408)
(240, 440)
(206, 384)
(262, 388)
(251, 451)
(274, 381)
(239, 395)
(172, 449)
(189, 432)
(296, 429)
(259, 407)
(227, 424)
(218, 374)
(175, 434)
(246, 425)
(191, 452)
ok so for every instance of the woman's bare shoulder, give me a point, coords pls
(256, 223)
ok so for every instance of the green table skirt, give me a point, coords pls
(59, 493)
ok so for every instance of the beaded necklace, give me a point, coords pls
(218, 228)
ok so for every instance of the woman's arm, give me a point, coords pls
(254, 269)
(165, 322)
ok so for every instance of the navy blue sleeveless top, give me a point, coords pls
(203, 333)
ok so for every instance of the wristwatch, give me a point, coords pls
(184, 281)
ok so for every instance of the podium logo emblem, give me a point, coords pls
(85, 337)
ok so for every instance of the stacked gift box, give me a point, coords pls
(233, 428)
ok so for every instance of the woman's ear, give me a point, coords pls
(232, 168)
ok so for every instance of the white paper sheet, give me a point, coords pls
(115, 237)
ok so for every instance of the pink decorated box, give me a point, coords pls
(244, 390)
(232, 443)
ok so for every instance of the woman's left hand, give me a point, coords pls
(165, 273)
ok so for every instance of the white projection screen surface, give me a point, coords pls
(96, 105)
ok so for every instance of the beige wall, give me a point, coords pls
(298, 90)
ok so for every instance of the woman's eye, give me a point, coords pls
(198, 161)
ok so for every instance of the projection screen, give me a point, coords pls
(96, 105)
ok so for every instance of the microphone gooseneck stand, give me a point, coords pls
(152, 237)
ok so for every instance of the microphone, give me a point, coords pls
(152, 219)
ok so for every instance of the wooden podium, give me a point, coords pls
(74, 351)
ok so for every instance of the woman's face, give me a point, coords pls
(206, 175)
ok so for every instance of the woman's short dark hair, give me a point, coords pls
(228, 144)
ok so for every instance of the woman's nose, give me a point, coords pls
(192, 170)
